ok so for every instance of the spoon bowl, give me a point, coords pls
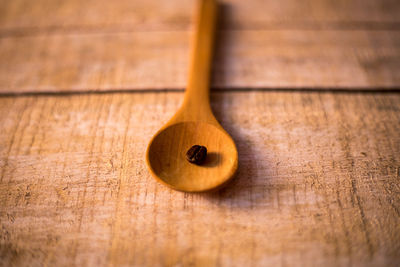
(167, 162)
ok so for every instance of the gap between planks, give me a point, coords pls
(347, 90)
(131, 28)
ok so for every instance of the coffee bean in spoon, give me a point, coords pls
(196, 154)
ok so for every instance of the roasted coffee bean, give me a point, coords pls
(196, 154)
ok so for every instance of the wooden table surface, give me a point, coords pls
(309, 90)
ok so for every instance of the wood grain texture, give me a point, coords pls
(21, 17)
(318, 183)
(159, 60)
(63, 46)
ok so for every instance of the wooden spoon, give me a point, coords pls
(195, 124)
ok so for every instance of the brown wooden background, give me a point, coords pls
(309, 90)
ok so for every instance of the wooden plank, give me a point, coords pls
(158, 60)
(29, 17)
(317, 183)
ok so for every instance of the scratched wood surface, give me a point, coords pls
(318, 183)
(29, 17)
(53, 46)
(318, 180)
(244, 59)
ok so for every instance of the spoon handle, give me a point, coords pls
(197, 95)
